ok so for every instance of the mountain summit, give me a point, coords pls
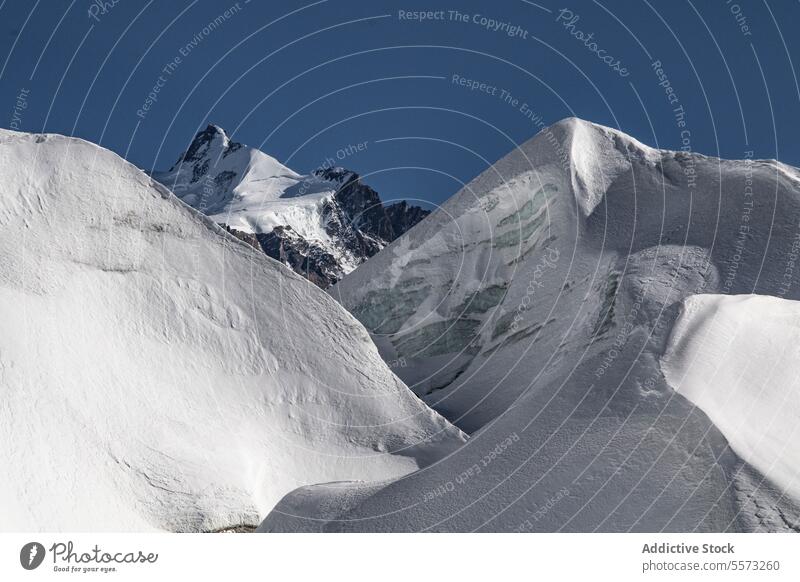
(616, 326)
(321, 225)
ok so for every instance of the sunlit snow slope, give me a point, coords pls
(157, 373)
(737, 359)
(533, 310)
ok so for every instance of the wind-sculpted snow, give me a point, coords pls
(736, 359)
(536, 259)
(158, 373)
(533, 310)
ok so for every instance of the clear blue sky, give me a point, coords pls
(304, 80)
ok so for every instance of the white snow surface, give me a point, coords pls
(158, 374)
(533, 310)
(736, 357)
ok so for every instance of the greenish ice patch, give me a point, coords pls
(415, 262)
(530, 208)
(515, 235)
(436, 339)
(410, 282)
(526, 252)
(386, 310)
(483, 300)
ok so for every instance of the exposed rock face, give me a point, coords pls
(403, 216)
(322, 225)
(304, 257)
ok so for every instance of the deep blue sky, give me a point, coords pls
(340, 72)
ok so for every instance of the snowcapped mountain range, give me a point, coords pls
(160, 374)
(615, 325)
(321, 225)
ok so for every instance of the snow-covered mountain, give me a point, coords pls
(322, 225)
(594, 311)
(158, 373)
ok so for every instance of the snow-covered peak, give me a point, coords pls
(581, 131)
(593, 155)
(534, 309)
(216, 172)
(454, 284)
(597, 155)
(323, 224)
(211, 142)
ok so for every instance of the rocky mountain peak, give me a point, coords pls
(322, 225)
(211, 140)
(336, 174)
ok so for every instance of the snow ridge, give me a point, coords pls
(161, 374)
(534, 310)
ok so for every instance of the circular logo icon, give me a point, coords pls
(31, 555)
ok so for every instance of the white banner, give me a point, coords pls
(353, 557)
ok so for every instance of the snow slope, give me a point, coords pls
(157, 373)
(542, 255)
(533, 310)
(322, 225)
(736, 358)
